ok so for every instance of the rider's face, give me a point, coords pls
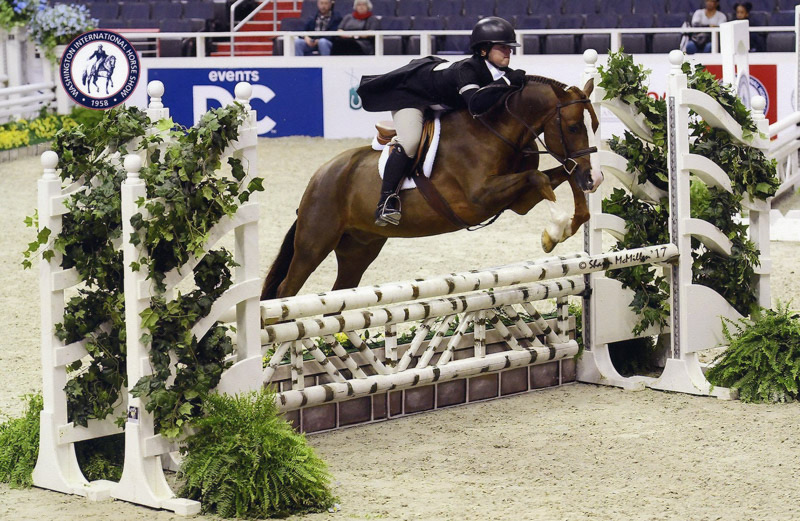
(499, 55)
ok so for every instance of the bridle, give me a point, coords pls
(568, 160)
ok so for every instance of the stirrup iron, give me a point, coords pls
(387, 215)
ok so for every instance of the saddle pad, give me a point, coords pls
(427, 166)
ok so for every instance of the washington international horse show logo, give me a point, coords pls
(100, 69)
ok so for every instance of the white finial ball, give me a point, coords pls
(243, 91)
(132, 163)
(155, 89)
(49, 160)
(758, 103)
(590, 56)
(676, 57)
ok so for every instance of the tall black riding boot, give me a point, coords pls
(397, 165)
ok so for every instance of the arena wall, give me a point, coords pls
(315, 96)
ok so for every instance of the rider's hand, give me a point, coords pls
(516, 77)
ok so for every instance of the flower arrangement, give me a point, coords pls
(16, 13)
(22, 133)
(59, 25)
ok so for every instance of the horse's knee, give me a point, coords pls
(541, 183)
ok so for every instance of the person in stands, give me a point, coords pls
(361, 19)
(476, 83)
(326, 19)
(742, 12)
(710, 16)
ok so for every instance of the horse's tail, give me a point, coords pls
(85, 75)
(280, 266)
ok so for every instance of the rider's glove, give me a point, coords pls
(516, 77)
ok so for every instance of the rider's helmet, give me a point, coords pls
(492, 30)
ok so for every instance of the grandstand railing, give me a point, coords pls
(272, 5)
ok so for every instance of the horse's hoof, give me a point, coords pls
(547, 242)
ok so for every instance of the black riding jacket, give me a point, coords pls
(426, 82)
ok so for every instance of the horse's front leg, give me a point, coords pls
(561, 227)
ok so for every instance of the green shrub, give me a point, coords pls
(244, 460)
(102, 458)
(763, 359)
(19, 445)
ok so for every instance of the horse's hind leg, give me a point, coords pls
(311, 246)
(353, 258)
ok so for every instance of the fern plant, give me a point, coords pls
(763, 358)
(19, 445)
(244, 460)
(102, 458)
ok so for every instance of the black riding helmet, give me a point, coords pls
(490, 31)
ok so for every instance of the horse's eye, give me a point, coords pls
(573, 129)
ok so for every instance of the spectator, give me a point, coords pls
(711, 16)
(742, 12)
(326, 19)
(360, 19)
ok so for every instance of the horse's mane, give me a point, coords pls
(547, 81)
(555, 83)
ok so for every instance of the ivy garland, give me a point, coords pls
(750, 172)
(186, 197)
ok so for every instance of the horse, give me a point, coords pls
(104, 69)
(484, 165)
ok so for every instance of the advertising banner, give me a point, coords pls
(287, 101)
(316, 96)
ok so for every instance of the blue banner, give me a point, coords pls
(288, 101)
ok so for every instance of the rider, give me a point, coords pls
(100, 54)
(432, 82)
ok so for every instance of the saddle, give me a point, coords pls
(387, 131)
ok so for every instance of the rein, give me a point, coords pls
(568, 157)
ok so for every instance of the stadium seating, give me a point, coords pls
(384, 7)
(479, 8)
(207, 15)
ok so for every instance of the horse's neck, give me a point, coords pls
(535, 103)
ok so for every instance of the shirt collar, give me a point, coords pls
(496, 73)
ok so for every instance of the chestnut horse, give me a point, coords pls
(483, 166)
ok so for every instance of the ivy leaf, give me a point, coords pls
(149, 319)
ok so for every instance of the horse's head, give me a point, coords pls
(566, 134)
(563, 118)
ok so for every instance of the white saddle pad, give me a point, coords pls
(427, 166)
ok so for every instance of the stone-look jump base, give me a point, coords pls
(396, 404)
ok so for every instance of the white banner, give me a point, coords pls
(341, 75)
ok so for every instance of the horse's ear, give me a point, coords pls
(589, 87)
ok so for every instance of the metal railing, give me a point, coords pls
(235, 28)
